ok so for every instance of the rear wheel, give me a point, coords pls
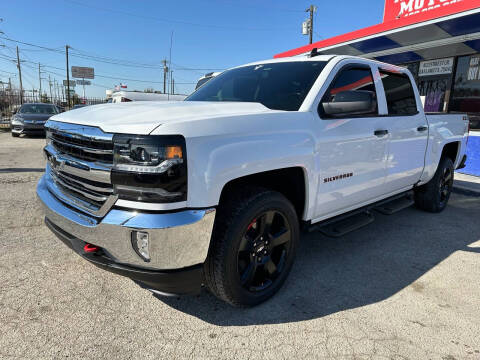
(253, 247)
(434, 196)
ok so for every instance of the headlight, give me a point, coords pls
(150, 168)
(17, 119)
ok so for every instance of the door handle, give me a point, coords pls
(380, 132)
(422, 128)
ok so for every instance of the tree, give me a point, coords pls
(44, 98)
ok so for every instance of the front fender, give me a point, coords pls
(215, 160)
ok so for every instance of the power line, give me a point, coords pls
(165, 20)
(109, 60)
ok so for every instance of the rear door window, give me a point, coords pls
(399, 94)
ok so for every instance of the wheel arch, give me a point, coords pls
(292, 182)
(451, 150)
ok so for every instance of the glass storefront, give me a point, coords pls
(466, 88)
(438, 94)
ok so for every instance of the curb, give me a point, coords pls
(463, 190)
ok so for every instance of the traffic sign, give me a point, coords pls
(84, 82)
(83, 72)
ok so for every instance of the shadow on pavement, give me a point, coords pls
(362, 268)
(21, 170)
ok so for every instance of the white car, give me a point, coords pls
(214, 190)
(127, 96)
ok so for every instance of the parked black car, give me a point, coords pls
(31, 118)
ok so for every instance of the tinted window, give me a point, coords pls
(279, 86)
(38, 109)
(349, 87)
(399, 94)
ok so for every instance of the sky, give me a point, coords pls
(126, 41)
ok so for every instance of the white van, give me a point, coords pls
(126, 96)
(205, 79)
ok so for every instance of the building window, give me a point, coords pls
(466, 89)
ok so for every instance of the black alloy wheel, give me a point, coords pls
(446, 185)
(253, 246)
(263, 250)
(433, 196)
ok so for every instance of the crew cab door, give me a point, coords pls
(351, 148)
(407, 130)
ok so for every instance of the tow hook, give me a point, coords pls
(89, 248)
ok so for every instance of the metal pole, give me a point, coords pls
(83, 82)
(68, 77)
(165, 70)
(40, 80)
(20, 76)
(50, 85)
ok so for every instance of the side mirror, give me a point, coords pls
(351, 102)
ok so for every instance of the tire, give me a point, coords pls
(433, 196)
(15, 134)
(241, 254)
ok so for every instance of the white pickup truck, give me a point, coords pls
(214, 190)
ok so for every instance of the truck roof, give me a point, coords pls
(304, 57)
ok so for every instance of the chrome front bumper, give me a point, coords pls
(177, 239)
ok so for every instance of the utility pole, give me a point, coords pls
(68, 76)
(312, 9)
(173, 84)
(50, 85)
(55, 90)
(165, 71)
(40, 79)
(20, 76)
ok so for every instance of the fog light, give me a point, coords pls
(140, 244)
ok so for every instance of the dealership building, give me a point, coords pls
(438, 40)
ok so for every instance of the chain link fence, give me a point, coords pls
(10, 102)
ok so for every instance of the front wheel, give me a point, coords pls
(433, 196)
(253, 247)
(15, 134)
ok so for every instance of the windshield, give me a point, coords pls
(37, 109)
(278, 86)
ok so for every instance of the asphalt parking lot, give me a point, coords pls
(405, 287)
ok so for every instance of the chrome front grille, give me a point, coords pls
(95, 194)
(80, 159)
(85, 148)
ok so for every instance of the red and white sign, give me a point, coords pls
(422, 9)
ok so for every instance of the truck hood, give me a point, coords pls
(143, 117)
